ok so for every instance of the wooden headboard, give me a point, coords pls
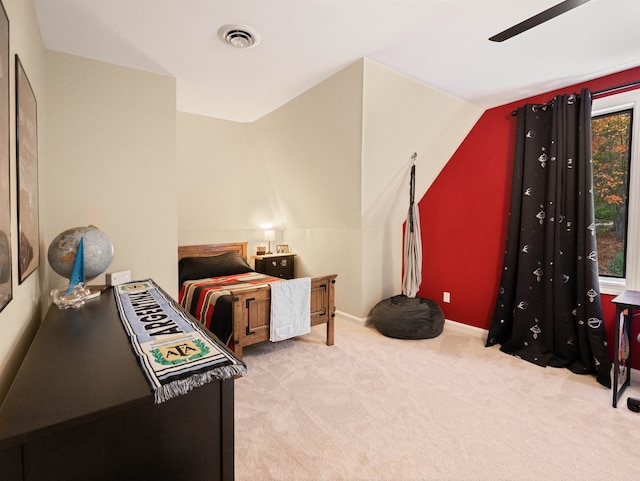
(205, 250)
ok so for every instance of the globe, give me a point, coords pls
(98, 251)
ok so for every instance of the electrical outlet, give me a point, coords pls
(117, 278)
(446, 297)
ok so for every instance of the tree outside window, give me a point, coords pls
(611, 149)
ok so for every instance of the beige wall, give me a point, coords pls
(225, 193)
(401, 116)
(111, 146)
(20, 318)
(312, 147)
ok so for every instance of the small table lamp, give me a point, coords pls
(269, 235)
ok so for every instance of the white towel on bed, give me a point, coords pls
(290, 308)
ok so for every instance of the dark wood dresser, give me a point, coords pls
(276, 265)
(81, 409)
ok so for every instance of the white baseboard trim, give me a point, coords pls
(360, 321)
(466, 328)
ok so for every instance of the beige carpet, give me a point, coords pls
(374, 408)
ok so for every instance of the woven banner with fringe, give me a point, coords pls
(176, 354)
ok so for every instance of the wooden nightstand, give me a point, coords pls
(276, 265)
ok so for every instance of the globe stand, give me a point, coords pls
(71, 296)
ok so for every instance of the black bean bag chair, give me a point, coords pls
(405, 317)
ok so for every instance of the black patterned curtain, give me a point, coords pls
(548, 310)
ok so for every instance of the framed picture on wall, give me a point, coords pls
(27, 174)
(6, 286)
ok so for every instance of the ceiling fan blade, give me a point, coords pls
(542, 17)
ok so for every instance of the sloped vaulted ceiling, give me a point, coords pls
(441, 43)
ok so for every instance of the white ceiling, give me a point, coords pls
(441, 43)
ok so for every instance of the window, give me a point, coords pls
(616, 185)
(611, 155)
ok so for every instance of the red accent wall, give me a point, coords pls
(464, 215)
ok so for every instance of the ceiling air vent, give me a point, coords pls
(239, 36)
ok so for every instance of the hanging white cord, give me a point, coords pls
(412, 243)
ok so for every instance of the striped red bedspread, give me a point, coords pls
(202, 297)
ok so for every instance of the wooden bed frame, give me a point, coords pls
(251, 308)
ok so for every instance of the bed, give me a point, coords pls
(240, 316)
